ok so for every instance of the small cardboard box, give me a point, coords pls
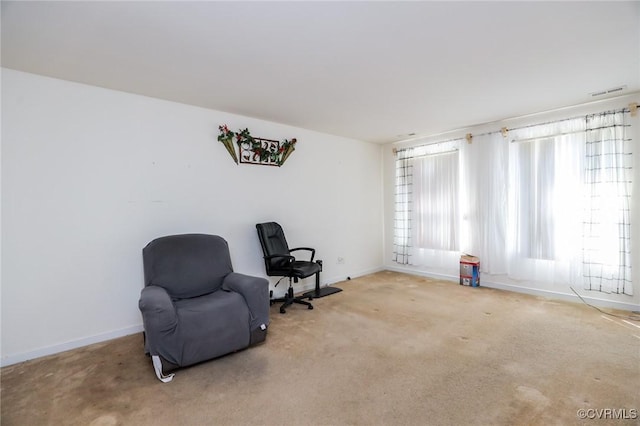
(467, 258)
(469, 270)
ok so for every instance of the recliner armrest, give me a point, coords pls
(155, 299)
(255, 291)
(158, 315)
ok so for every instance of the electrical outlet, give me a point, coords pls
(341, 261)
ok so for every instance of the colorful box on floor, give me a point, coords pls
(469, 270)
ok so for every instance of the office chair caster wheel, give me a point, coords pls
(282, 311)
(310, 307)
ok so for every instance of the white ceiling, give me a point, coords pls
(374, 71)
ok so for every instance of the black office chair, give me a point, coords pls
(279, 262)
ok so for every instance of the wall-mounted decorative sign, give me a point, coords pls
(253, 150)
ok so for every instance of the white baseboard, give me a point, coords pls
(601, 303)
(570, 297)
(74, 344)
(310, 283)
(427, 274)
(62, 347)
(341, 278)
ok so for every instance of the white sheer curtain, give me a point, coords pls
(607, 214)
(545, 201)
(484, 200)
(436, 209)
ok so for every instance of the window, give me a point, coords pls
(606, 241)
(551, 203)
(534, 200)
(436, 201)
(427, 213)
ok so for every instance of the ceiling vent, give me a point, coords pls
(608, 91)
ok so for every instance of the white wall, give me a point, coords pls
(557, 290)
(90, 175)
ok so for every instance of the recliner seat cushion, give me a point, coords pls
(226, 317)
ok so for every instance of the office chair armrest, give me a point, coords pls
(313, 251)
(255, 291)
(290, 259)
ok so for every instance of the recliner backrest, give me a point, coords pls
(273, 242)
(187, 265)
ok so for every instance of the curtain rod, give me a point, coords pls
(632, 109)
(451, 151)
(397, 150)
(546, 137)
(553, 135)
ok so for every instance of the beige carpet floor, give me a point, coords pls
(391, 349)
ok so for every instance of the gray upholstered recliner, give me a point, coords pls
(194, 307)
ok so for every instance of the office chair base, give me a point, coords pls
(289, 300)
(322, 292)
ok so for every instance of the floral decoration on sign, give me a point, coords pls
(226, 137)
(252, 150)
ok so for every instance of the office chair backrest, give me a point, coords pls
(273, 243)
(187, 265)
